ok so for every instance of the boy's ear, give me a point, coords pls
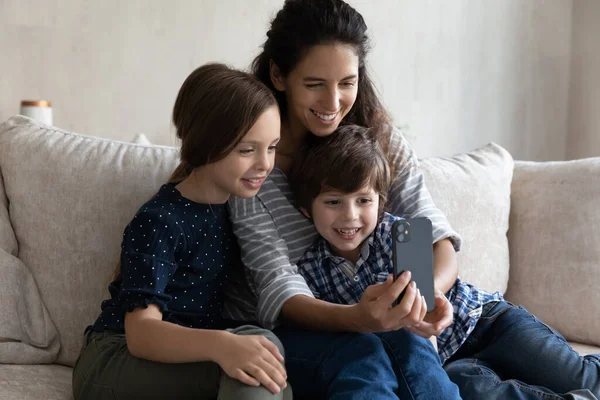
(305, 212)
(276, 76)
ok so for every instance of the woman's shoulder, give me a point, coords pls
(400, 152)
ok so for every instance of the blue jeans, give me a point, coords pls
(513, 355)
(417, 367)
(323, 365)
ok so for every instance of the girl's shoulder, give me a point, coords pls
(275, 192)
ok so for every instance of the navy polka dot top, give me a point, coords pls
(176, 254)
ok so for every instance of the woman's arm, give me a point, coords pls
(409, 198)
(445, 267)
(282, 290)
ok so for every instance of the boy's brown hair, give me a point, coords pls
(347, 160)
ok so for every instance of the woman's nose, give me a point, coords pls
(332, 100)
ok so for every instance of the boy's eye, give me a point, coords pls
(332, 202)
(365, 201)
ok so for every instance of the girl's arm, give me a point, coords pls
(252, 359)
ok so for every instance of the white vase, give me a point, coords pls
(40, 110)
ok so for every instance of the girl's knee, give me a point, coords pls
(255, 330)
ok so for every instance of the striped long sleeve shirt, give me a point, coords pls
(273, 235)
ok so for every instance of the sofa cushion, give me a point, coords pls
(27, 334)
(555, 245)
(70, 197)
(473, 191)
(34, 382)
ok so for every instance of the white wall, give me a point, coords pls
(460, 73)
(584, 116)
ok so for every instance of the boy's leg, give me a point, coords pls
(518, 347)
(326, 365)
(476, 379)
(418, 367)
(235, 390)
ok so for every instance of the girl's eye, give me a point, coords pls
(246, 151)
(272, 148)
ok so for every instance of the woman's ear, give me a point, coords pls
(276, 76)
(305, 212)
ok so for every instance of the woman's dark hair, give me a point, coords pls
(347, 160)
(215, 107)
(302, 24)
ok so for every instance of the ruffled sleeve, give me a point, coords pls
(151, 243)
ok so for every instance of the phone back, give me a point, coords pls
(413, 250)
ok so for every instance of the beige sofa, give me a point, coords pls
(65, 199)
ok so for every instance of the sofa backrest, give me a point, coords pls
(69, 199)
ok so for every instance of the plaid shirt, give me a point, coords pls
(327, 277)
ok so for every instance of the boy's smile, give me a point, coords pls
(345, 220)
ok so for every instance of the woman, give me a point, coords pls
(314, 61)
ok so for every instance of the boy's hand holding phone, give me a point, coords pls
(375, 311)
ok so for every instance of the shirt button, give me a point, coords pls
(356, 278)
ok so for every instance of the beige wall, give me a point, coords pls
(459, 73)
(584, 115)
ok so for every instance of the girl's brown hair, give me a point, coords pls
(215, 108)
(347, 160)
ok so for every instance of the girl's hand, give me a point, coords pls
(375, 312)
(437, 320)
(253, 360)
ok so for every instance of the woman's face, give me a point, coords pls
(321, 89)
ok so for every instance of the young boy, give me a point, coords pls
(341, 184)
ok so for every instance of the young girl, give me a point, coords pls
(161, 334)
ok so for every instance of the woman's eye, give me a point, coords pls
(313, 85)
(349, 84)
(272, 148)
(246, 151)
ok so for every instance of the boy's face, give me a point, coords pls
(345, 220)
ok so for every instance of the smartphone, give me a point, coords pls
(412, 250)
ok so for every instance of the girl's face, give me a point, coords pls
(321, 89)
(242, 172)
(346, 220)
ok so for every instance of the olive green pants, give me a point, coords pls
(106, 370)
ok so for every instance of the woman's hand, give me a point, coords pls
(437, 320)
(253, 360)
(374, 312)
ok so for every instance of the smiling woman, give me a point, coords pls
(314, 61)
(318, 94)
